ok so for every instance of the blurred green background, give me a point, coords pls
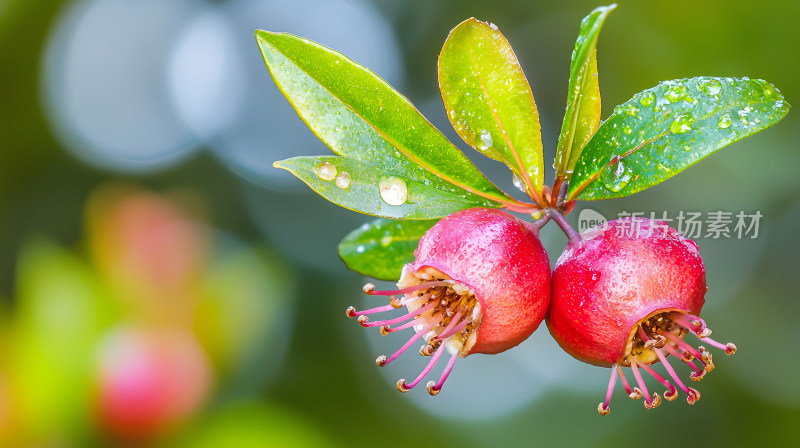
(162, 285)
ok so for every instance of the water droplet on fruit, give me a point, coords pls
(343, 180)
(725, 121)
(647, 99)
(711, 86)
(325, 171)
(682, 124)
(394, 191)
(485, 140)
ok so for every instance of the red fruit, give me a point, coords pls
(480, 283)
(626, 294)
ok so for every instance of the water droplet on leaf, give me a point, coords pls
(631, 109)
(616, 176)
(675, 93)
(325, 171)
(711, 86)
(343, 180)
(485, 140)
(647, 99)
(517, 181)
(725, 121)
(394, 191)
(682, 124)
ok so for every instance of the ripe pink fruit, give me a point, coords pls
(480, 283)
(626, 294)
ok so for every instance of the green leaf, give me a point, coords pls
(582, 117)
(489, 101)
(663, 130)
(380, 248)
(364, 187)
(357, 114)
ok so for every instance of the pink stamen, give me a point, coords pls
(426, 370)
(409, 289)
(647, 398)
(434, 388)
(693, 327)
(452, 323)
(691, 397)
(681, 343)
(729, 348)
(604, 409)
(408, 324)
(353, 312)
(447, 333)
(688, 362)
(672, 392)
(624, 381)
(408, 343)
(420, 310)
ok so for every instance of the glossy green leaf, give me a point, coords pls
(489, 101)
(582, 117)
(665, 129)
(380, 248)
(357, 114)
(364, 187)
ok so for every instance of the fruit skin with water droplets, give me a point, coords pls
(502, 260)
(605, 285)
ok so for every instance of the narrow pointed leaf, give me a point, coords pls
(357, 114)
(582, 117)
(380, 248)
(663, 130)
(364, 187)
(489, 101)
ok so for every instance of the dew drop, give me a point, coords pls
(386, 240)
(360, 249)
(485, 140)
(682, 124)
(627, 130)
(743, 117)
(711, 86)
(517, 181)
(343, 180)
(725, 121)
(325, 171)
(675, 93)
(492, 26)
(631, 109)
(616, 176)
(394, 191)
(647, 99)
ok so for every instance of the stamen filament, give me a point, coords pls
(635, 394)
(681, 343)
(649, 402)
(672, 392)
(693, 327)
(409, 289)
(408, 343)
(459, 327)
(425, 371)
(692, 394)
(452, 324)
(603, 409)
(729, 347)
(380, 323)
(434, 388)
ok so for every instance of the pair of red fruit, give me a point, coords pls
(624, 294)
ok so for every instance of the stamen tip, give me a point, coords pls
(671, 395)
(603, 409)
(636, 394)
(351, 311)
(697, 376)
(385, 330)
(694, 395)
(654, 403)
(381, 360)
(432, 390)
(730, 348)
(395, 302)
(363, 320)
(705, 333)
(401, 385)
(369, 288)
